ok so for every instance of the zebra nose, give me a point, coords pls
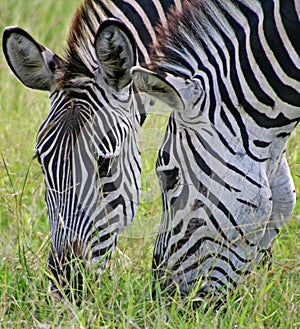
(197, 204)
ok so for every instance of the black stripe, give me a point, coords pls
(290, 20)
(202, 163)
(166, 4)
(227, 122)
(261, 144)
(275, 42)
(260, 119)
(220, 280)
(244, 57)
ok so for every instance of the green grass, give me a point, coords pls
(121, 297)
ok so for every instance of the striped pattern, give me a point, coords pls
(231, 71)
(139, 16)
(87, 146)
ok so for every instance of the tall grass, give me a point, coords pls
(121, 297)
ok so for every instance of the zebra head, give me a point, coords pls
(225, 182)
(87, 145)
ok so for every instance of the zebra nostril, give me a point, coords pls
(197, 204)
(169, 178)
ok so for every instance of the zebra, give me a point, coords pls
(230, 70)
(88, 144)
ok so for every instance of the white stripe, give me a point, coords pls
(144, 17)
(161, 13)
(178, 4)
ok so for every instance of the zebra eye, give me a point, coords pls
(104, 166)
(38, 157)
(107, 166)
(169, 178)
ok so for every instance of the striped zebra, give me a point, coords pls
(87, 146)
(231, 72)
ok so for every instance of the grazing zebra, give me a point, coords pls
(87, 146)
(231, 72)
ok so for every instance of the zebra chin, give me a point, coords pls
(210, 287)
(66, 274)
(197, 294)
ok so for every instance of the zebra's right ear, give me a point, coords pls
(157, 87)
(116, 52)
(33, 64)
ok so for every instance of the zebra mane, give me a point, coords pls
(190, 31)
(80, 56)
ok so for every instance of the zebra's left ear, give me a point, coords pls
(157, 87)
(32, 63)
(116, 51)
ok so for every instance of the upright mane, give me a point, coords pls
(80, 58)
(188, 34)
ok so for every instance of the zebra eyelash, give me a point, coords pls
(37, 157)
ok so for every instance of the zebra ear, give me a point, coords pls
(116, 52)
(157, 87)
(33, 64)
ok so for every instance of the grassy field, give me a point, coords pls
(121, 298)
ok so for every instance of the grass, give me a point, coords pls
(121, 297)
